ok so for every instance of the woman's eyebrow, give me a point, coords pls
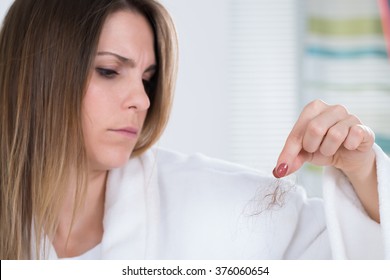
(128, 61)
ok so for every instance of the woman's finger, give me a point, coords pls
(287, 163)
(360, 138)
(337, 135)
(319, 127)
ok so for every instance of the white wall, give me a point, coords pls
(4, 5)
(199, 118)
(237, 95)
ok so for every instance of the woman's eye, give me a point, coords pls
(107, 73)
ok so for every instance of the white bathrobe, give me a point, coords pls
(165, 205)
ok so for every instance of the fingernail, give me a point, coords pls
(281, 170)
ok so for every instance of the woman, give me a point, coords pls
(86, 86)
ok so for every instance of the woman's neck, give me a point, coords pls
(77, 234)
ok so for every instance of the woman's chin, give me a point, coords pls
(109, 163)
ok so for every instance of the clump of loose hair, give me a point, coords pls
(270, 198)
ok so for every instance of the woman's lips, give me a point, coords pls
(128, 132)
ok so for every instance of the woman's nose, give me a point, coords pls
(137, 97)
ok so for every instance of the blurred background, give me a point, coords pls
(247, 67)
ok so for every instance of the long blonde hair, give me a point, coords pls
(46, 52)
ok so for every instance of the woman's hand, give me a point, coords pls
(328, 135)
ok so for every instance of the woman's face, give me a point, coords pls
(116, 101)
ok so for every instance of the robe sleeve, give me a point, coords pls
(352, 233)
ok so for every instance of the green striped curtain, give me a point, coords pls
(345, 60)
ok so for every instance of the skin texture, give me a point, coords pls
(328, 135)
(114, 110)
